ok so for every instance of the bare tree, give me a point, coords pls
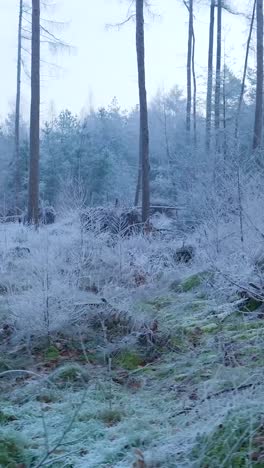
(17, 112)
(240, 101)
(144, 131)
(218, 72)
(194, 91)
(33, 188)
(242, 91)
(259, 90)
(210, 77)
(224, 107)
(189, 6)
(191, 76)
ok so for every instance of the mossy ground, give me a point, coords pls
(200, 366)
(236, 442)
(13, 451)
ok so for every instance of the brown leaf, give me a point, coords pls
(140, 460)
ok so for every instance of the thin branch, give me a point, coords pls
(43, 461)
(119, 25)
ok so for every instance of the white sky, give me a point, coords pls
(103, 64)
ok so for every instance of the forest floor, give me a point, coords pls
(172, 377)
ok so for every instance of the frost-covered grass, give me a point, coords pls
(109, 345)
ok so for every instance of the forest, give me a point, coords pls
(132, 255)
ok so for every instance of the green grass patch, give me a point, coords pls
(110, 417)
(129, 360)
(52, 354)
(160, 303)
(251, 305)
(194, 281)
(13, 451)
(6, 418)
(237, 442)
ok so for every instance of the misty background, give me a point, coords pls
(102, 62)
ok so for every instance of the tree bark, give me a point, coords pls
(257, 138)
(17, 113)
(224, 112)
(144, 131)
(241, 96)
(139, 180)
(189, 67)
(194, 91)
(210, 78)
(33, 189)
(218, 73)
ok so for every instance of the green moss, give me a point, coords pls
(251, 305)
(210, 328)
(184, 336)
(232, 443)
(110, 416)
(178, 342)
(194, 281)
(70, 374)
(12, 451)
(6, 418)
(52, 353)
(160, 302)
(129, 360)
(238, 326)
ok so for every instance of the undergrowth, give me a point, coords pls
(110, 349)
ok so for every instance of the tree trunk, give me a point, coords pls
(241, 96)
(144, 131)
(218, 73)
(224, 112)
(33, 190)
(139, 180)
(210, 78)
(169, 156)
(17, 115)
(189, 67)
(259, 91)
(194, 91)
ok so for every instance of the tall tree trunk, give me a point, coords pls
(259, 91)
(241, 96)
(194, 91)
(144, 131)
(17, 115)
(139, 180)
(33, 189)
(224, 112)
(240, 101)
(210, 78)
(189, 67)
(218, 73)
(168, 153)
